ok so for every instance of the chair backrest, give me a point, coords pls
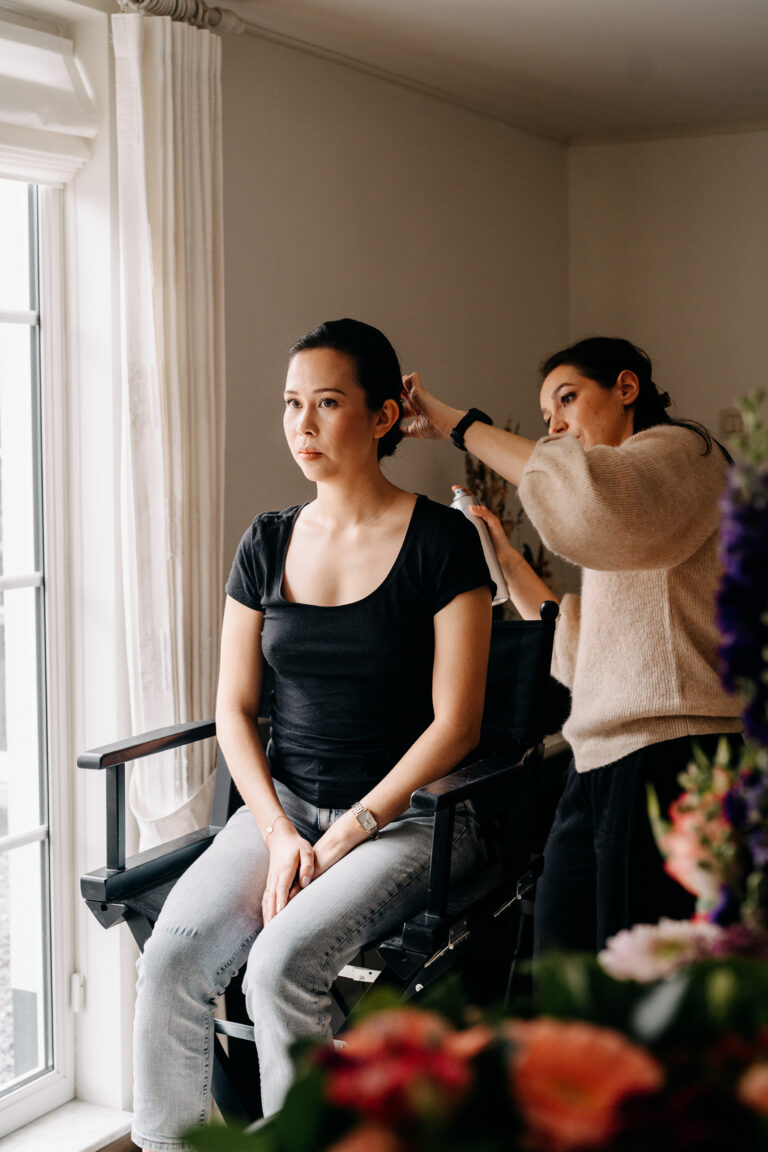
(518, 676)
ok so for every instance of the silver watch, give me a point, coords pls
(366, 820)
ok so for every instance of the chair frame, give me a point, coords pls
(131, 890)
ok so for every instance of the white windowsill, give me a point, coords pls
(75, 1127)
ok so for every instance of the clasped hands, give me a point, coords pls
(294, 862)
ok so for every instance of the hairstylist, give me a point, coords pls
(631, 496)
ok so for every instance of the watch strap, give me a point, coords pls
(474, 415)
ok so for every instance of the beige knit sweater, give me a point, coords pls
(638, 647)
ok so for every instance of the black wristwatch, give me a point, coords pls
(474, 414)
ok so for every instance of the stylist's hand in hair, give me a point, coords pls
(426, 417)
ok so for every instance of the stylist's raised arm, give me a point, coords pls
(427, 418)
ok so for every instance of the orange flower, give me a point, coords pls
(569, 1079)
(369, 1138)
(752, 1088)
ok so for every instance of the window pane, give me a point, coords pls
(17, 456)
(15, 279)
(25, 1045)
(20, 710)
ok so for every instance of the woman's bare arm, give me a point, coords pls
(526, 588)
(237, 709)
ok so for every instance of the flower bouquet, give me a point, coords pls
(716, 839)
(674, 1065)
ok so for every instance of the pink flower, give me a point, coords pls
(570, 1078)
(688, 845)
(654, 951)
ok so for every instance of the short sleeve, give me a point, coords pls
(457, 561)
(247, 577)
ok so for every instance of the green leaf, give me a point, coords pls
(300, 1124)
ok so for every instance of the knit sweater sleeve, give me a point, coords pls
(649, 503)
(566, 639)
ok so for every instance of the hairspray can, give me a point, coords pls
(462, 498)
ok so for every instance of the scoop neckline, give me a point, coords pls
(397, 563)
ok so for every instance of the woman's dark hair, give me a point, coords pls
(603, 359)
(376, 366)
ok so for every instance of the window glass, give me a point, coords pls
(25, 976)
(15, 271)
(25, 1047)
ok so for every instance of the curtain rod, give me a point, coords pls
(194, 12)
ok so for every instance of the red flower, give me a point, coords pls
(400, 1065)
(569, 1080)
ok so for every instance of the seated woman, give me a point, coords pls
(373, 608)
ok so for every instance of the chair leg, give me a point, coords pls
(238, 1102)
(523, 943)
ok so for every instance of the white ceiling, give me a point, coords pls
(572, 69)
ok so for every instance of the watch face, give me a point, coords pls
(366, 820)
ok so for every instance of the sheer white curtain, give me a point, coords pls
(168, 78)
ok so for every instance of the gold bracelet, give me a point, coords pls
(272, 825)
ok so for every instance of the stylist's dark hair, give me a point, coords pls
(376, 365)
(603, 359)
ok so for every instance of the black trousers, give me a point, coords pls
(602, 869)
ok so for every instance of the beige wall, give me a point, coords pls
(669, 247)
(347, 195)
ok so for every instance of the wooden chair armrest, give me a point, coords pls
(147, 869)
(472, 780)
(147, 744)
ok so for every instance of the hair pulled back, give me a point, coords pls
(603, 359)
(376, 366)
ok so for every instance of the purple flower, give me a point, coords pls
(742, 602)
(735, 809)
(727, 911)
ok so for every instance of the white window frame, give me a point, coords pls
(54, 1087)
(85, 659)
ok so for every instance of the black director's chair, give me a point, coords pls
(501, 778)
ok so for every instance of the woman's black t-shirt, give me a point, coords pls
(353, 682)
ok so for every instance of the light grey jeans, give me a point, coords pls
(211, 925)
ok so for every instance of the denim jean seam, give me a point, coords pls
(459, 837)
(367, 920)
(243, 950)
(155, 1144)
(207, 1068)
